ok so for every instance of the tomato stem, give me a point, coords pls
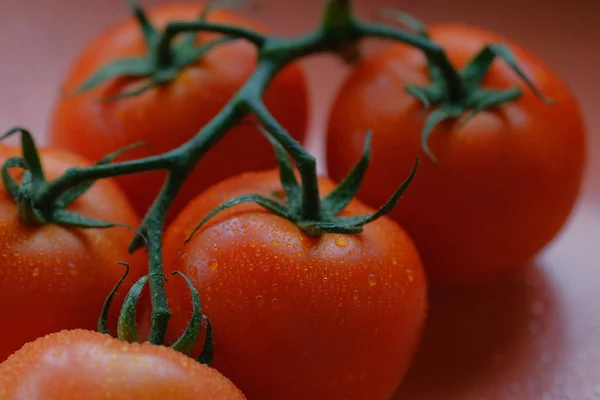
(340, 33)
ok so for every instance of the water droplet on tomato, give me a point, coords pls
(266, 268)
(251, 267)
(275, 243)
(325, 278)
(36, 272)
(411, 275)
(194, 271)
(260, 300)
(253, 243)
(342, 241)
(213, 264)
(355, 295)
(372, 280)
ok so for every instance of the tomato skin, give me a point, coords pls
(69, 365)
(55, 277)
(169, 115)
(505, 183)
(297, 317)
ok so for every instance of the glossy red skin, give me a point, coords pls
(54, 277)
(167, 116)
(298, 317)
(76, 364)
(505, 183)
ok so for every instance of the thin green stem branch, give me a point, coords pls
(435, 52)
(175, 28)
(78, 175)
(306, 163)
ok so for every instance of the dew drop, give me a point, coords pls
(394, 261)
(341, 241)
(253, 243)
(325, 278)
(194, 271)
(36, 272)
(275, 243)
(251, 267)
(274, 301)
(260, 300)
(411, 275)
(266, 268)
(240, 291)
(213, 264)
(355, 295)
(372, 280)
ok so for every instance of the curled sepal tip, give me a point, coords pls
(342, 195)
(187, 341)
(265, 202)
(103, 320)
(208, 350)
(127, 326)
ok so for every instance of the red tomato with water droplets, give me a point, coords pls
(71, 365)
(54, 277)
(295, 316)
(168, 115)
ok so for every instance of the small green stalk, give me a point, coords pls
(460, 94)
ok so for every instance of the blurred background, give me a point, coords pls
(533, 336)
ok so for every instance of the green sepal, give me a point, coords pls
(68, 218)
(434, 119)
(148, 30)
(343, 194)
(187, 341)
(136, 67)
(288, 179)
(103, 320)
(208, 350)
(9, 183)
(30, 153)
(127, 326)
(265, 202)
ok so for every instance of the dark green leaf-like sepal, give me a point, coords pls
(265, 202)
(343, 194)
(127, 326)
(208, 350)
(103, 320)
(187, 341)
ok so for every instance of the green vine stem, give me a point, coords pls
(339, 31)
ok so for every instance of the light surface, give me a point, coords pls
(536, 336)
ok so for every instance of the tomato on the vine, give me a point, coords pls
(167, 115)
(78, 364)
(55, 277)
(504, 183)
(295, 316)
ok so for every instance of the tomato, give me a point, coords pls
(77, 364)
(169, 115)
(295, 316)
(55, 277)
(504, 183)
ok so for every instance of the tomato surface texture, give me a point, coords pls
(505, 182)
(295, 316)
(78, 364)
(55, 277)
(168, 115)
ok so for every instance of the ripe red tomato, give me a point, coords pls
(505, 182)
(169, 115)
(295, 316)
(55, 277)
(79, 364)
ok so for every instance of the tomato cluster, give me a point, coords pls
(333, 315)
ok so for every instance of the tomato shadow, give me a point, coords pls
(498, 341)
